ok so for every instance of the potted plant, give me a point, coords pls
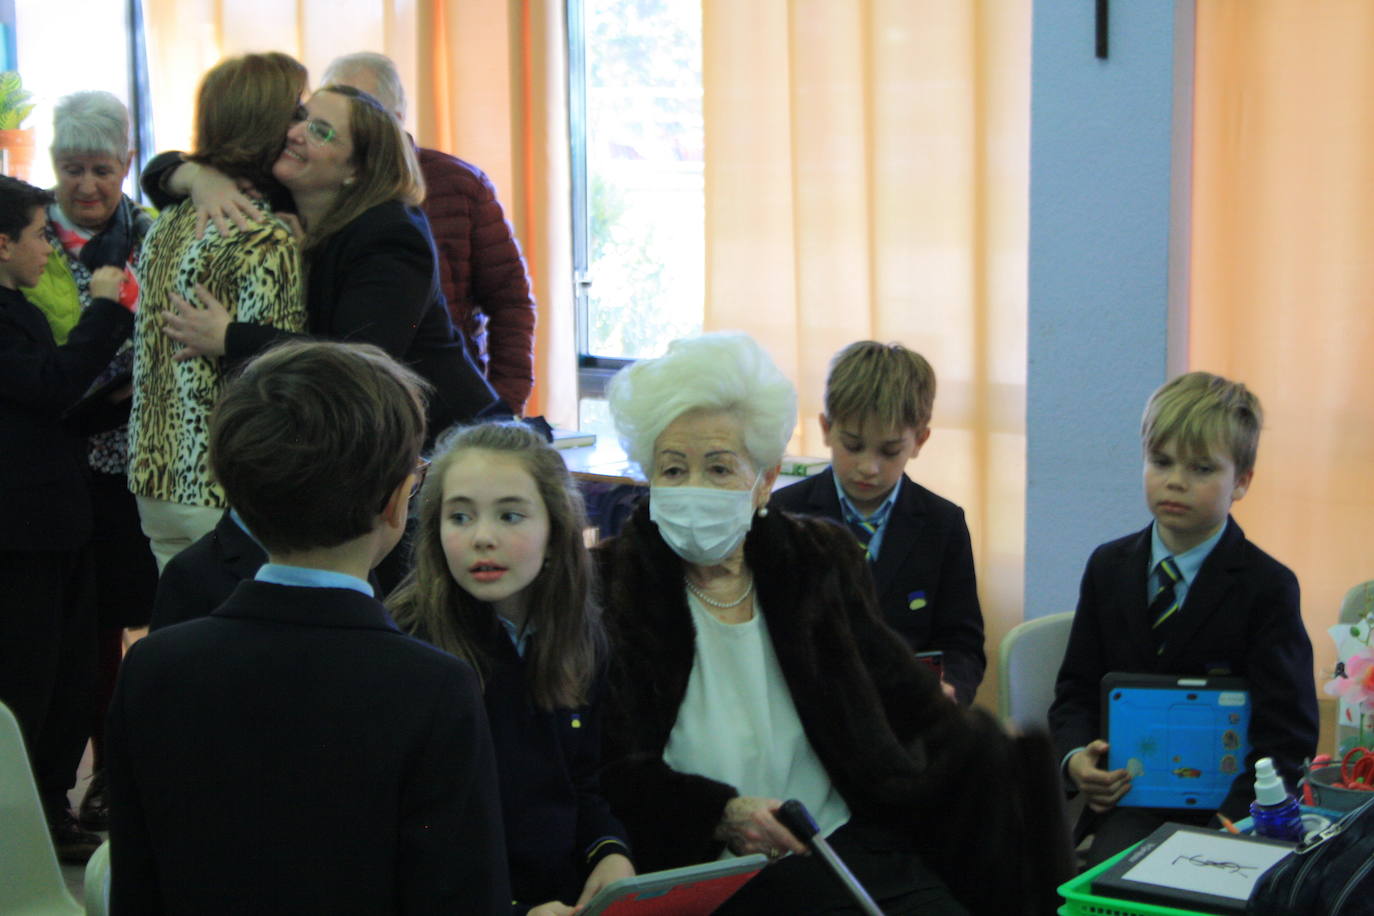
(16, 141)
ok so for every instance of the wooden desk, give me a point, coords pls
(604, 462)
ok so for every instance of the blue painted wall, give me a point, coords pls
(1103, 178)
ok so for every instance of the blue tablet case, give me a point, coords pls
(1183, 739)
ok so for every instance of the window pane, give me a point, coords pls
(644, 174)
(594, 416)
(63, 48)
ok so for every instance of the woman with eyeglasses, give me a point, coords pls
(368, 254)
(243, 107)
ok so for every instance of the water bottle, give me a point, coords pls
(1276, 813)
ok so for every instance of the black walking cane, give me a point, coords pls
(794, 816)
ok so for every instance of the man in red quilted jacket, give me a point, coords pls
(480, 265)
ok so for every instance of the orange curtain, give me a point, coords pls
(486, 81)
(867, 169)
(1282, 273)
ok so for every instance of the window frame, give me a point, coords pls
(593, 372)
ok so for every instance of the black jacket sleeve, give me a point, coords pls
(48, 379)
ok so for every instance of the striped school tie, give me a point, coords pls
(864, 531)
(1165, 602)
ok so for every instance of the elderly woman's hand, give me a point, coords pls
(200, 330)
(107, 282)
(749, 826)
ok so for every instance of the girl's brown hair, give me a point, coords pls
(384, 160)
(244, 107)
(569, 641)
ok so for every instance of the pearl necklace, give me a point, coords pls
(723, 605)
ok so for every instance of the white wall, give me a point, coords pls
(1108, 205)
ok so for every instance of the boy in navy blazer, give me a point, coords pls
(878, 401)
(294, 751)
(1188, 595)
(47, 628)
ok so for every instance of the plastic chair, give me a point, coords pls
(97, 882)
(30, 878)
(1028, 663)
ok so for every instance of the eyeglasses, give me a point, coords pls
(421, 469)
(321, 132)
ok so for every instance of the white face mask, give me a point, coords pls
(702, 524)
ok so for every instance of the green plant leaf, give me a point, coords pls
(14, 106)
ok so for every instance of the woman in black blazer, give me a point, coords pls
(372, 272)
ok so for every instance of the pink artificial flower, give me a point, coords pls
(1357, 687)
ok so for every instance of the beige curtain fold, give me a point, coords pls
(867, 169)
(486, 81)
(1282, 273)
(867, 173)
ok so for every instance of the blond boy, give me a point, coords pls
(1187, 595)
(878, 402)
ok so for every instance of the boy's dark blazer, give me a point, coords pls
(1240, 617)
(926, 555)
(204, 575)
(295, 753)
(44, 499)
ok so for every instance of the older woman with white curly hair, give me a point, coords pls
(750, 666)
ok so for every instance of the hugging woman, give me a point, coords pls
(243, 106)
(372, 274)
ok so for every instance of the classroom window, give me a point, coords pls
(60, 48)
(638, 192)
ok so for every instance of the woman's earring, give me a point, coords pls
(349, 181)
(763, 511)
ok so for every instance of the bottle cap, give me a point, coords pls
(1269, 788)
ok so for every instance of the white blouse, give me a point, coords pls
(738, 725)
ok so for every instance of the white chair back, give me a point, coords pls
(97, 885)
(30, 878)
(1028, 664)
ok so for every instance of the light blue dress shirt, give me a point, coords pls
(878, 519)
(303, 577)
(1188, 562)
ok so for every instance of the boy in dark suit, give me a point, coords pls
(47, 627)
(200, 578)
(1188, 595)
(878, 400)
(294, 751)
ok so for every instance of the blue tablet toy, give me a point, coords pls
(1183, 739)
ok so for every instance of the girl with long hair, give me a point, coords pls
(502, 579)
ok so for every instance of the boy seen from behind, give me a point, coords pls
(294, 751)
(1188, 595)
(878, 402)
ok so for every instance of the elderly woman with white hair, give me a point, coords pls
(93, 224)
(749, 665)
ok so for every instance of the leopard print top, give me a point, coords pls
(257, 276)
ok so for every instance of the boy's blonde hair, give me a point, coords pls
(1199, 411)
(887, 382)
